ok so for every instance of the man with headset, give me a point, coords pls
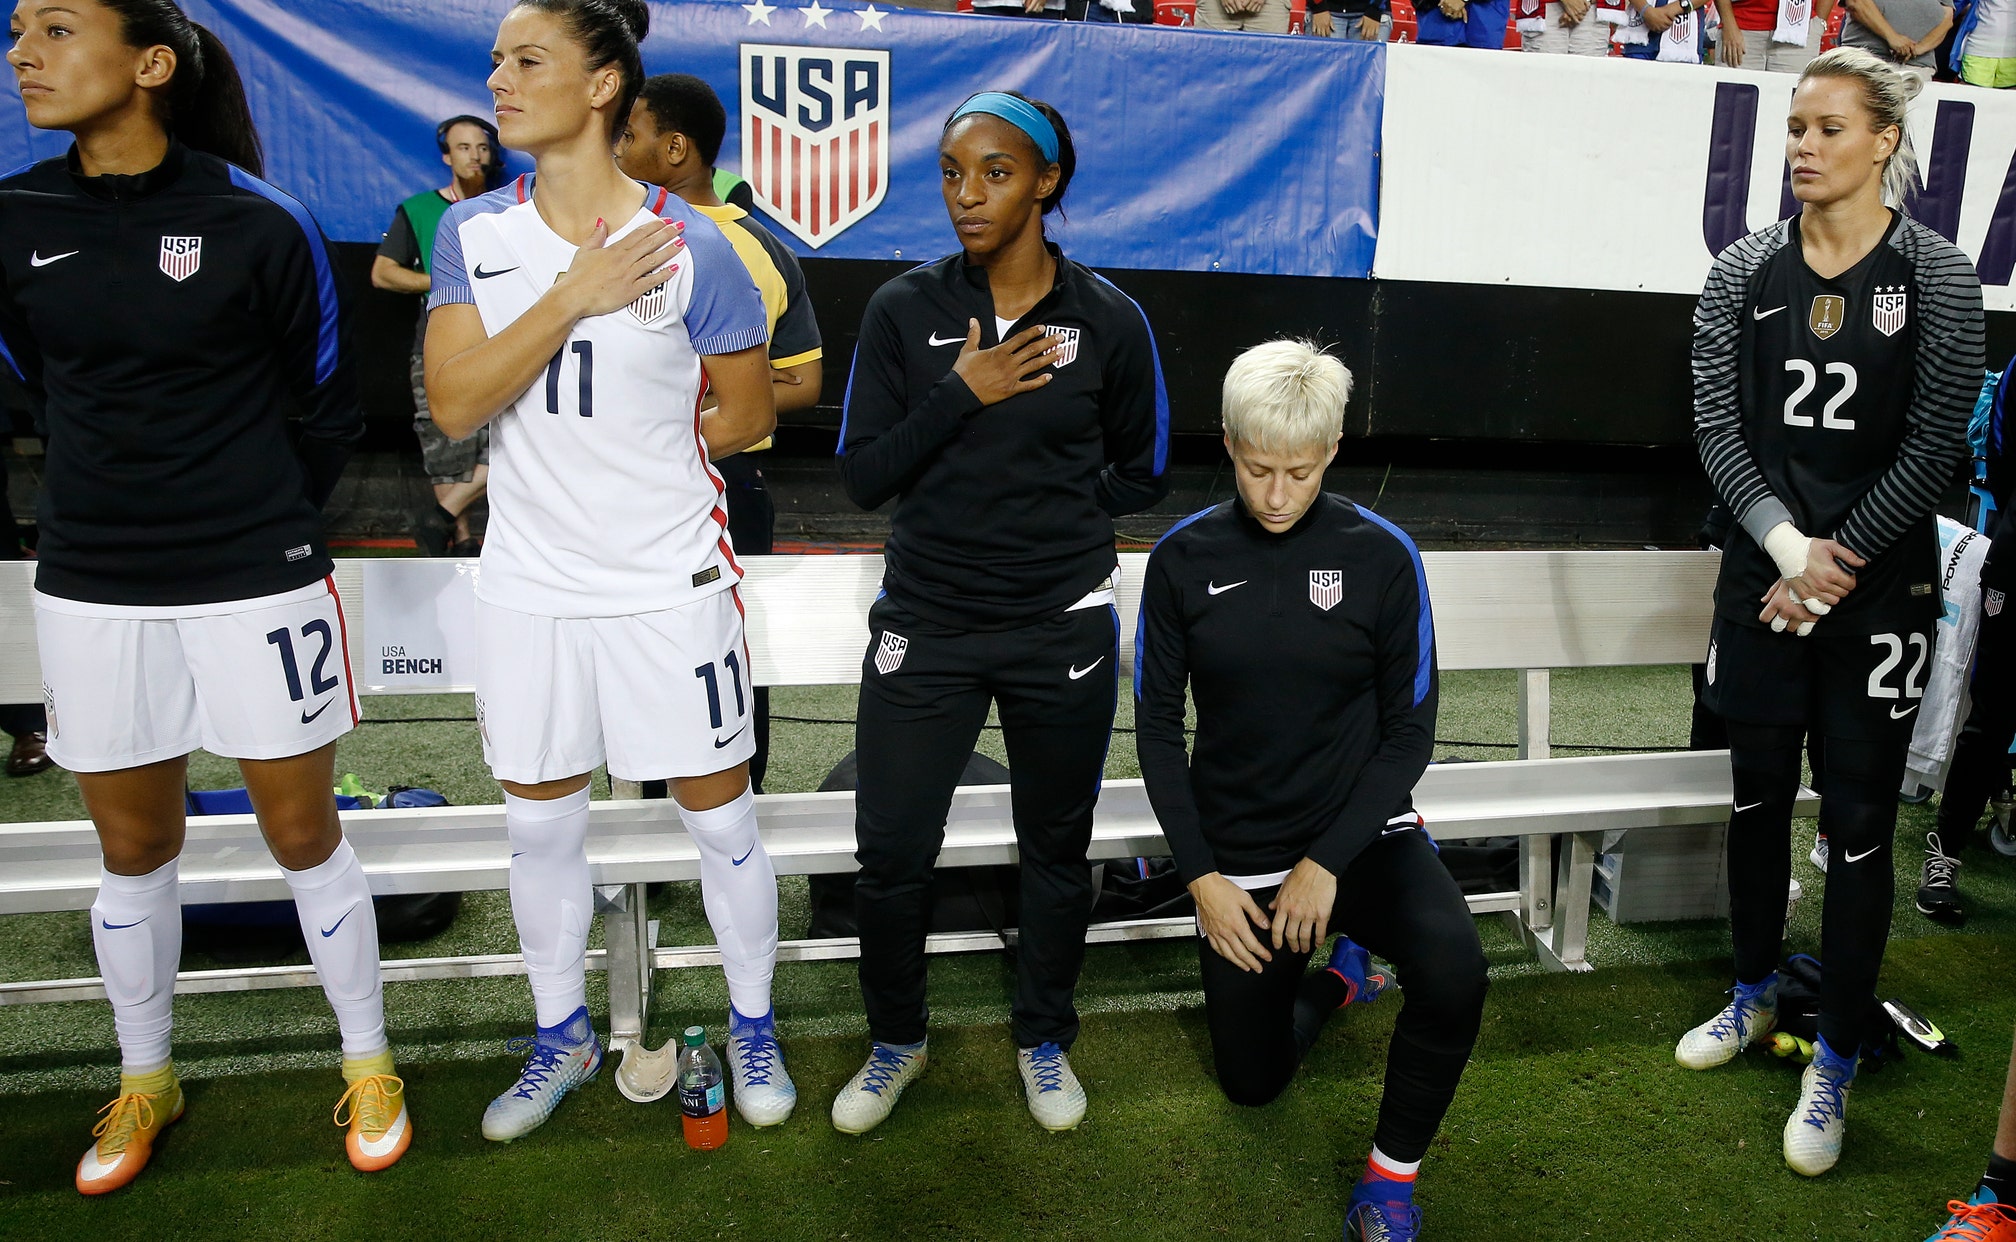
(458, 469)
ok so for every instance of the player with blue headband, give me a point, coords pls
(1010, 402)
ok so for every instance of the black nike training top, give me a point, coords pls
(1005, 512)
(1311, 658)
(1838, 404)
(166, 326)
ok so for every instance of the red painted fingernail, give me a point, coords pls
(598, 222)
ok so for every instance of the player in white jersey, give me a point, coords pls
(582, 316)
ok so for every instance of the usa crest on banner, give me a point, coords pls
(1326, 588)
(889, 656)
(1888, 314)
(180, 257)
(815, 147)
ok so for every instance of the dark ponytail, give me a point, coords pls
(205, 107)
(608, 32)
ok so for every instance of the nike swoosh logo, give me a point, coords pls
(1077, 672)
(1215, 589)
(36, 260)
(736, 862)
(720, 742)
(1859, 857)
(309, 717)
(1764, 314)
(504, 271)
(950, 340)
(328, 932)
(1897, 715)
(1753, 806)
(119, 926)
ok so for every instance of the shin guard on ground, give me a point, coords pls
(1764, 765)
(738, 886)
(333, 901)
(136, 926)
(551, 899)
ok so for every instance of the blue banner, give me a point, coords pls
(1197, 151)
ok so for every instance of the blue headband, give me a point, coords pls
(1022, 116)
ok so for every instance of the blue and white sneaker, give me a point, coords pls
(764, 1093)
(1056, 1097)
(1749, 1016)
(1350, 962)
(870, 1096)
(1815, 1130)
(557, 1060)
(1367, 1221)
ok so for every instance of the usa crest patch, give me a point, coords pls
(1067, 349)
(1326, 588)
(1888, 313)
(1992, 603)
(180, 257)
(648, 309)
(889, 656)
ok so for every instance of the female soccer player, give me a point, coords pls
(1295, 815)
(567, 308)
(1837, 356)
(169, 309)
(1012, 401)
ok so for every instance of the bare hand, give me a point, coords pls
(1825, 579)
(1227, 915)
(605, 277)
(1032, 6)
(1322, 25)
(1902, 48)
(1659, 20)
(1574, 11)
(1781, 606)
(1369, 29)
(1729, 52)
(1004, 371)
(1454, 10)
(1302, 907)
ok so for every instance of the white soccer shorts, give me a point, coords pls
(265, 678)
(656, 695)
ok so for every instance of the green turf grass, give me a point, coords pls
(1573, 1121)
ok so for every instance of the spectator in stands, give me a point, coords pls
(1648, 31)
(1984, 52)
(1264, 16)
(1020, 8)
(1772, 36)
(1906, 31)
(1569, 27)
(1455, 23)
(674, 136)
(458, 469)
(1370, 21)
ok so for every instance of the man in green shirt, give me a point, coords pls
(458, 469)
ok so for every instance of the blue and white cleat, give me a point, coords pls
(870, 1096)
(557, 1060)
(1350, 962)
(1816, 1128)
(1056, 1097)
(764, 1093)
(1368, 1221)
(1748, 1017)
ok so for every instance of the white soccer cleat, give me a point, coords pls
(870, 1096)
(1742, 1021)
(557, 1060)
(1814, 1132)
(1056, 1097)
(1819, 855)
(764, 1093)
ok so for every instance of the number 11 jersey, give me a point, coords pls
(602, 500)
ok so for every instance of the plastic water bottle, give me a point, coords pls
(703, 1101)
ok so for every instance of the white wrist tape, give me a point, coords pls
(1789, 548)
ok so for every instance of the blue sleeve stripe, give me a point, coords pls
(847, 402)
(1161, 392)
(732, 342)
(325, 275)
(1141, 615)
(450, 295)
(12, 364)
(1424, 637)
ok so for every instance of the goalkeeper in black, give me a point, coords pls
(1299, 622)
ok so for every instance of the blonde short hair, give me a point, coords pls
(1285, 395)
(1886, 91)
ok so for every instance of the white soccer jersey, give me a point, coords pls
(602, 501)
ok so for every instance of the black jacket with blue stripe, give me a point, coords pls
(168, 327)
(1310, 656)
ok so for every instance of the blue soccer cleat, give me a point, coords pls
(1367, 1221)
(557, 1060)
(1350, 962)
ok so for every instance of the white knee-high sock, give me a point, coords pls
(136, 925)
(738, 886)
(551, 899)
(333, 901)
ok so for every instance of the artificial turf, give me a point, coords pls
(1572, 1122)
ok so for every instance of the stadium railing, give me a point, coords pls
(807, 625)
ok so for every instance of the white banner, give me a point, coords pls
(419, 622)
(1579, 173)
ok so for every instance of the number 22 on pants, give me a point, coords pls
(1914, 685)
